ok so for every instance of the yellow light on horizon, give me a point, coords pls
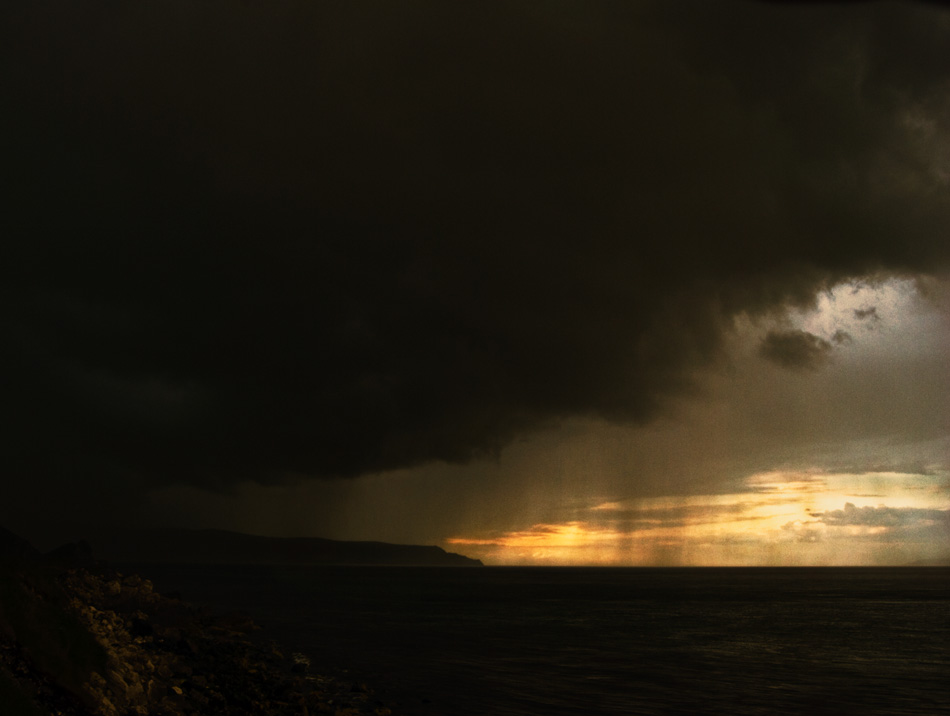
(782, 518)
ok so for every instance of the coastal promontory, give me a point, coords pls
(211, 546)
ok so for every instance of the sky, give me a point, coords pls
(620, 283)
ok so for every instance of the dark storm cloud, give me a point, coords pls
(249, 239)
(798, 350)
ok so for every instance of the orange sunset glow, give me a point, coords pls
(780, 519)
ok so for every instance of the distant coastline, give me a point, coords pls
(211, 546)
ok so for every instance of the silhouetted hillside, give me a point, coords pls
(223, 547)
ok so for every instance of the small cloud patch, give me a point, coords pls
(882, 516)
(841, 338)
(867, 314)
(795, 350)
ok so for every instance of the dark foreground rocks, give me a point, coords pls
(90, 641)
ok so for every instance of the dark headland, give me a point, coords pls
(180, 546)
(79, 637)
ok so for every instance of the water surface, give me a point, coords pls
(608, 641)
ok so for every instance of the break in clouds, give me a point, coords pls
(246, 240)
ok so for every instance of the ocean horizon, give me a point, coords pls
(605, 641)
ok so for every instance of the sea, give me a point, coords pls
(539, 641)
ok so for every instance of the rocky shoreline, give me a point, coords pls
(87, 640)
